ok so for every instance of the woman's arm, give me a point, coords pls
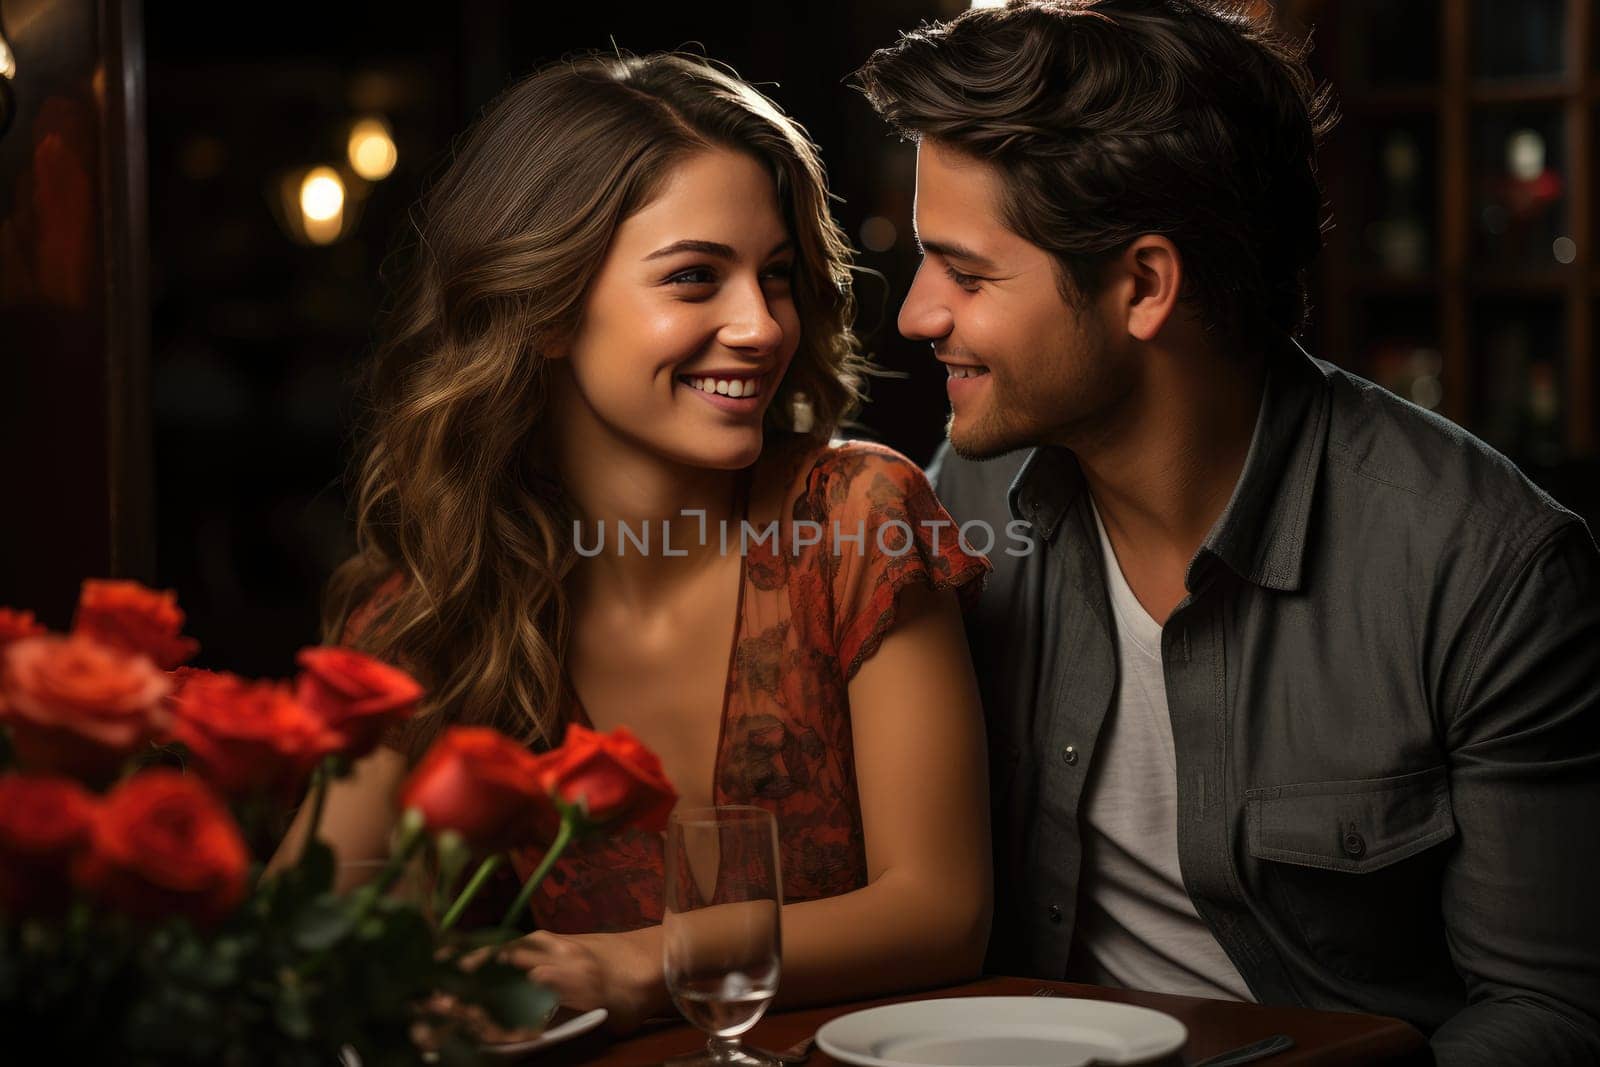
(921, 769)
(923, 918)
(357, 818)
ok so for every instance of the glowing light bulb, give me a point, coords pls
(321, 194)
(371, 149)
(322, 205)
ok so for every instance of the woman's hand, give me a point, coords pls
(618, 972)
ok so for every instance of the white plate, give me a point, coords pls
(579, 1024)
(1002, 1032)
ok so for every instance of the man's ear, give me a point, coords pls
(1154, 269)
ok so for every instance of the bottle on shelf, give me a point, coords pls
(1519, 218)
(1399, 238)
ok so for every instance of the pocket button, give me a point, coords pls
(1355, 846)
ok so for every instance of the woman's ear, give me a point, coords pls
(553, 345)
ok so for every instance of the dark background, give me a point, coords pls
(254, 339)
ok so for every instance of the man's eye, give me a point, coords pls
(693, 276)
(969, 282)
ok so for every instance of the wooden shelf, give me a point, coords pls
(1533, 281)
(1379, 283)
(1446, 300)
(1408, 99)
(1524, 91)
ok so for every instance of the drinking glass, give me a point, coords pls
(720, 928)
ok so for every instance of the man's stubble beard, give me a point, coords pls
(992, 434)
(1055, 410)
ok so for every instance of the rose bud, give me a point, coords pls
(162, 845)
(610, 777)
(129, 616)
(354, 695)
(44, 823)
(15, 625)
(248, 737)
(79, 707)
(482, 785)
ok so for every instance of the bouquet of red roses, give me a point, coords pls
(136, 926)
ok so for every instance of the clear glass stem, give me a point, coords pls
(724, 1049)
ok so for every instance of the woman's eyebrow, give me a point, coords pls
(712, 248)
(705, 248)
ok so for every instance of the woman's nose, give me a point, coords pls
(751, 324)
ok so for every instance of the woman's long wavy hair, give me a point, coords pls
(462, 531)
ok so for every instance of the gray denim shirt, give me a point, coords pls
(1384, 686)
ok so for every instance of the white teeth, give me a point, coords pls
(966, 372)
(729, 387)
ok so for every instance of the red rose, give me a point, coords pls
(128, 616)
(481, 784)
(15, 625)
(612, 777)
(355, 695)
(44, 824)
(77, 706)
(248, 736)
(163, 844)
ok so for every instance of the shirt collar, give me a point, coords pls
(1261, 534)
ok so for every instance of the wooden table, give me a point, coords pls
(1320, 1037)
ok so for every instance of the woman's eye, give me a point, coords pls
(779, 272)
(693, 276)
(969, 282)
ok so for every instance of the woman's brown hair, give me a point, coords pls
(463, 536)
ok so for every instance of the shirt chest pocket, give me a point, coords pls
(1354, 867)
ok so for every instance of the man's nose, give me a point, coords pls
(923, 316)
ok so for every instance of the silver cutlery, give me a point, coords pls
(799, 1052)
(1258, 1050)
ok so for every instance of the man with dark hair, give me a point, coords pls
(1296, 696)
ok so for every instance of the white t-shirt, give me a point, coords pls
(1137, 927)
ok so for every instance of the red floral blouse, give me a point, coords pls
(809, 616)
(855, 524)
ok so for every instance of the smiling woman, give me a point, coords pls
(624, 283)
(684, 340)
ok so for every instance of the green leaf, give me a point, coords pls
(513, 1001)
(457, 1051)
(323, 923)
(316, 866)
(291, 1013)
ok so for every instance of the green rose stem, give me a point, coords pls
(569, 821)
(366, 898)
(411, 836)
(485, 869)
(319, 793)
(451, 853)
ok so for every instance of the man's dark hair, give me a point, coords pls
(1109, 119)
